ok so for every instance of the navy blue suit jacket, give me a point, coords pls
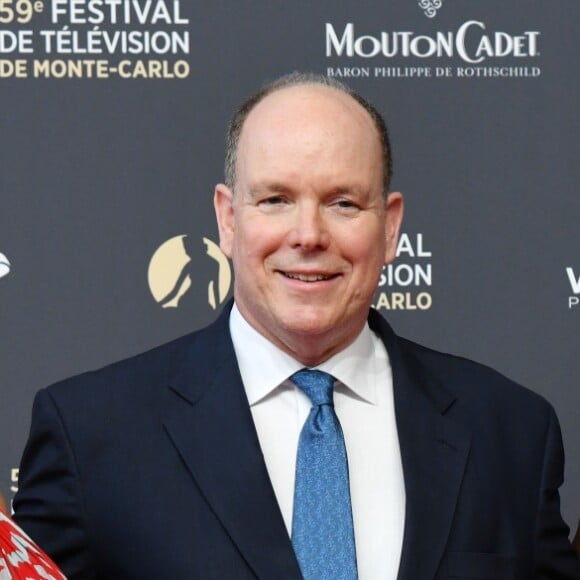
(151, 468)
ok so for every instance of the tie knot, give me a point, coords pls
(317, 385)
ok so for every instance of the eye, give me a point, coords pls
(273, 203)
(346, 206)
(273, 200)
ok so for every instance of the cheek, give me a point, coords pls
(263, 239)
(365, 249)
(253, 246)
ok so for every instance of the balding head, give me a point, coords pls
(297, 79)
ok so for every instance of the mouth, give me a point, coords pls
(309, 277)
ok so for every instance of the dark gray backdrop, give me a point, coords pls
(97, 173)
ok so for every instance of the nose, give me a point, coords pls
(309, 229)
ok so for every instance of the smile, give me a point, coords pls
(309, 277)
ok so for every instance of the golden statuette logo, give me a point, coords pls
(177, 265)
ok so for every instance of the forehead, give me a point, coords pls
(309, 120)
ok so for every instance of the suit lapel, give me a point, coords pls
(208, 419)
(434, 452)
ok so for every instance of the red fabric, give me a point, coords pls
(21, 558)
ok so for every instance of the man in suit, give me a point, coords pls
(453, 469)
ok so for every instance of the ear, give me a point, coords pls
(393, 220)
(223, 202)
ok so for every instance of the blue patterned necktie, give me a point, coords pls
(322, 529)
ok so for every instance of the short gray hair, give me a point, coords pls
(299, 79)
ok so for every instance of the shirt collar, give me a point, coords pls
(264, 366)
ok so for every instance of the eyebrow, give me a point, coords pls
(270, 187)
(279, 187)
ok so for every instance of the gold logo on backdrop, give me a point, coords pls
(175, 268)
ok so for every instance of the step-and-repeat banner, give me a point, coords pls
(112, 122)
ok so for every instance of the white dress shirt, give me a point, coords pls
(363, 401)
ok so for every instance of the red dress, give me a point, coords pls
(21, 558)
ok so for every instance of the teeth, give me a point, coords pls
(308, 277)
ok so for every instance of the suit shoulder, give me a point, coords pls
(449, 377)
(472, 380)
(152, 367)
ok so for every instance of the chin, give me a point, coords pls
(310, 322)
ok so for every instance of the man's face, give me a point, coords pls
(308, 228)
